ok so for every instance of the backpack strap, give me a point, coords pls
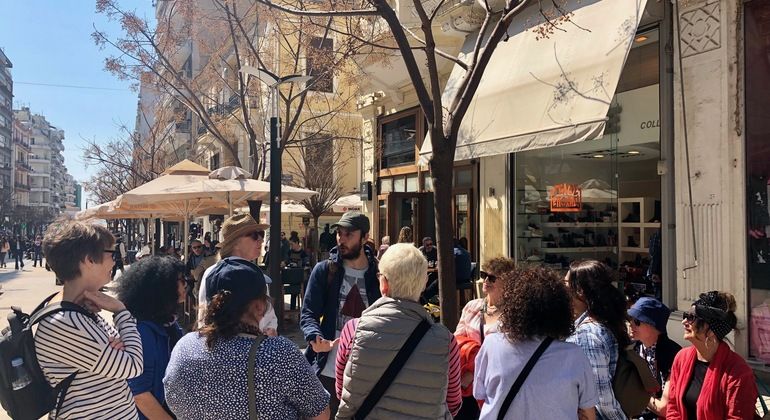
(392, 370)
(522, 377)
(251, 377)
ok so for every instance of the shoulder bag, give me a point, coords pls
(252, 377)
(522, 377)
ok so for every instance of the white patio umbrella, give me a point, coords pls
(348, 203)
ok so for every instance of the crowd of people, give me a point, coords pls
(20, 247)
(539, 344)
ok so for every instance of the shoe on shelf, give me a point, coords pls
(632, 242)
(631, 218)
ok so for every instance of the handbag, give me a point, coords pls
(522, 377)
(392, 370)
(252, 377)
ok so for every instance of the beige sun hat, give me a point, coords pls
(235, 227)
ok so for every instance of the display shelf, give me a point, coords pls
(579, 224)
(642, 208)
(578, 250)
(635, 249)
(653, 225)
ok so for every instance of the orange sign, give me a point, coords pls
(565, 198)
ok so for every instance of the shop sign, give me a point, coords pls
(565, 198)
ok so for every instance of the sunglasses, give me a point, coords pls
(111, 251)
(690, 317)
(257, 235)
(635, 321)
(488, 277)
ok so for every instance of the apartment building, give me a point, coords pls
(21, 167)
(6, 122)
(48, 179)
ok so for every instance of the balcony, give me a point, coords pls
(39, 188)
(21, 187)
(23, 145)
(23, 166)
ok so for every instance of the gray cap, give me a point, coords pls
(354, 220)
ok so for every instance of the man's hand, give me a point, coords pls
(321, 345)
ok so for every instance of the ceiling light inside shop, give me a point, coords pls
(634, 152)
(598, 156)
(641, 38)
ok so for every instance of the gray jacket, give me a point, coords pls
(419, 391)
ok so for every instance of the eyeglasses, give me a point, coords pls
(488, 277)
(111, 251)
(690, 317)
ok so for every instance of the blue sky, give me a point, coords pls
(49, 42)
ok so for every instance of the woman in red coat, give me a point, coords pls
(708, 379)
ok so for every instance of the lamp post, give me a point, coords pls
(273, 82)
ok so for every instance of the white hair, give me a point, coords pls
(406, 270)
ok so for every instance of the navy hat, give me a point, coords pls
(355, 221)
(651, 311)
(241, 278)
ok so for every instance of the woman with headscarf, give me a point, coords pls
(708, 379)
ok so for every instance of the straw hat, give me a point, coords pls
(237, 226)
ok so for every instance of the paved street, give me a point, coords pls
(24, 288)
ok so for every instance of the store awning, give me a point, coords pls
(541, 92)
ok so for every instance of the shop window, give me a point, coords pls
(398, 142)
(399, 184)
(757, 44)
(463, 178)
(412, 184)
(319, 63)
(386, 186)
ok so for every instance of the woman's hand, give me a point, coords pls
(322, 345)
(103, 301)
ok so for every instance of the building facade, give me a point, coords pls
(6, 127)
(21, 167)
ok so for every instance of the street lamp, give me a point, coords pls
(273, 82)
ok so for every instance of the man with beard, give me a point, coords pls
(339, 289)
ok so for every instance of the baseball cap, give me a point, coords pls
(353, 220)
(241, 278)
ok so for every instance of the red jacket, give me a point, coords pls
(728, 392)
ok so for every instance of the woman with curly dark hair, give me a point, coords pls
(151, 289)
(600, 327)
(536, 313)
(209, 372)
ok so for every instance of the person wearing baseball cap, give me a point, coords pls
(338, 290)
(648, 318)
(231, 350)
(242, 237)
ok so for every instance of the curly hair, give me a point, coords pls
(223, 318)
(150, 288)
(499, 265)
(405, 235)
(592, 280)
(536, 304)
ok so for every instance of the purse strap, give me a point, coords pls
(522, 377)
(391, 372)
(252, 376)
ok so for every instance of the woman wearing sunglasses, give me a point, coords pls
(480, 318)
(708, 379)
(648, 318)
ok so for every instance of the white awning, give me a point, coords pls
(552, 91)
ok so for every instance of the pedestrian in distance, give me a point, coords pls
(17, 249)
(480, 318)
(5, 248)
(708, 379)
(600, 328)
(427, 384)
(101, 356)
(151, 289)
(535, 319)
(338, 290)
(210, 370)
(384, 244)
(647, 321)
(118, 256)
(37, 251)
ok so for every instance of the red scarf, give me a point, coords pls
(728, 392)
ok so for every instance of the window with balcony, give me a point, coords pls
(319, 63)
(398, 139)
(214, 161)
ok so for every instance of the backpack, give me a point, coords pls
(38, 398)
(633, 383)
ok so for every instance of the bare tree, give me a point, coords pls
(443, 115)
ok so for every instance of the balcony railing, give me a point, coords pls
(20, 164)
(20, 186)
(21, 143)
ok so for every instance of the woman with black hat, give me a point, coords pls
(648, 318)
(708, 379)
(229, 369)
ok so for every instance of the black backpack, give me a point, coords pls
(38, 398)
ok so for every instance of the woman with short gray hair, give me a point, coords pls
(431, 389)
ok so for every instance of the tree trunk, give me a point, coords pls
(442, 170)
(316, 243)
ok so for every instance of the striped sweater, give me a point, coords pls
(69, 342)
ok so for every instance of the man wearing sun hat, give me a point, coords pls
(242, 237)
